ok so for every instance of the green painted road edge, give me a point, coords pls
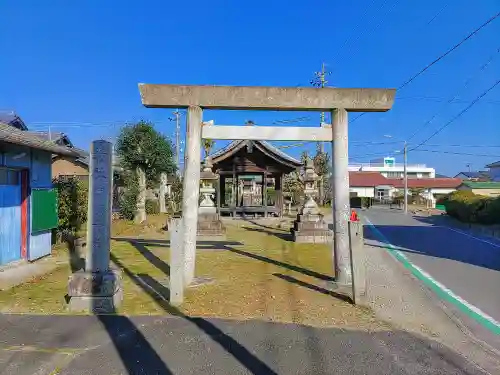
(428, 281)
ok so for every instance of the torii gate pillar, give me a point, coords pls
(338, 101)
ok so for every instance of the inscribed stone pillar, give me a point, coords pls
(97, 289)
(191, 189)
(341, 209)
(99, 208)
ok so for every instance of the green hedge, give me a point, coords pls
(72, 196)
(471, 208)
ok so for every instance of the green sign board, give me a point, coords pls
(43, 210)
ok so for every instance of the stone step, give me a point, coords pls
(208, 217)
(211, 230)
(313, 236)
(309, 217)
(310, 225)
(209, 224)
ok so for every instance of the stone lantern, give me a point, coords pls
(209, 224)
(310, 180)
(310, 226)
(207, 189)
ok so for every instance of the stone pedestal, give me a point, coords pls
(311, 228)
(210, 227)
(95, 292)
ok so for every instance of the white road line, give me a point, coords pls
(469, 235)
(455, 296)
(429, 278)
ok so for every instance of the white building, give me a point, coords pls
(388, 168)
(374, 185)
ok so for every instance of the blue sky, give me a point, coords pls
(76, 65)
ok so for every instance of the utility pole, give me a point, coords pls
(320, 81)
(406, 177)
(177, 115)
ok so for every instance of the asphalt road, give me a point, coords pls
(174, 345)
(467, 265)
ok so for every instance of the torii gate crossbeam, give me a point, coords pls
(337, 101)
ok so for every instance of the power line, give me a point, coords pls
(376, 154)
(466, 146)
(428, 66)
(466, 83)
(287, 121)
(349, 39)
(432, 151)
(441, 99)
(458, 153)
(377, 25)
(450, 50)
(438, 13)
(459, 115)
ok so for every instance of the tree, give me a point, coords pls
(72, 197)
(208, 144)
(293, 186)
(148, 153)
(175, 198)
(322, 168)
(416, 195)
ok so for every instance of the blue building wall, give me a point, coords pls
(39, 164)
(40, 243)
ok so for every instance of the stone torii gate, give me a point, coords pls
(338, 101)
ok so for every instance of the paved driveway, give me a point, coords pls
(174, 345)
(461, 265)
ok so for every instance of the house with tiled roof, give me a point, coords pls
(494, 171)
(474, 176)
(375, 185)
(12, 119)
(62, 165)
(28, 209)
(487, 188)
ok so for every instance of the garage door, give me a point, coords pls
(10, 216)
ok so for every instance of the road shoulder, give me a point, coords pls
(399, 298)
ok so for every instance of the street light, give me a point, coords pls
(405, 174)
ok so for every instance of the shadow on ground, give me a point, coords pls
(160, 293)
(141, 246)
(181, 344)
(437, 241)
(176, 345)
(282, 234)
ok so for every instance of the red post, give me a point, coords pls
(24, 214)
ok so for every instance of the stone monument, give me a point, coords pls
(210, 226)
(98, 288)
(310, 226)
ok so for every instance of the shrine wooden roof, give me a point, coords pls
(272, 154)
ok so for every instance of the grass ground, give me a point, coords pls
(261, 275)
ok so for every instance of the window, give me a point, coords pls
(3, 176)
(9, 177)
(394, 174)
